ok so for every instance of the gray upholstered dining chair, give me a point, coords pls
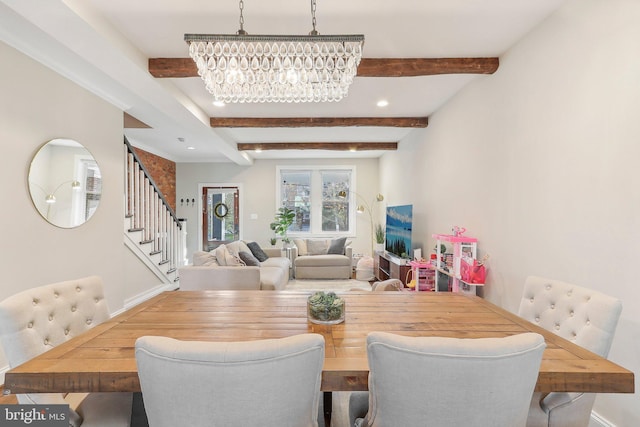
(36, 320)
(387, 285)
(448, 381)
(586, 317)
(269, 383)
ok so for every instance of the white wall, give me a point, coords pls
(258, 195)
(38, 105)
(539, 161)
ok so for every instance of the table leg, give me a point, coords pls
(138, 414)
(327, 405)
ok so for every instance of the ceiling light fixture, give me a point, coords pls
(382, 103)
(218, 103)
(276, 68)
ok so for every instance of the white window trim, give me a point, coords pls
(315, 201)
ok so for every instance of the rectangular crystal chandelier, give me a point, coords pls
(240, 68)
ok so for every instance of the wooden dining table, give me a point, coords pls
(103, 360)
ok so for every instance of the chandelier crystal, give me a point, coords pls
(276, 68)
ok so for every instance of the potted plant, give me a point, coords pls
(283, 220)
(379, 236)
(273, 241)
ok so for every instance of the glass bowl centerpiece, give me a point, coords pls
(325, 308)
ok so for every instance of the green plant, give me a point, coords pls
(379, 233)
(283, 220)
(325, 306)
(273, 241)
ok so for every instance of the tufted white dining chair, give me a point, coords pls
(267, 383)
(438, 381)
(36, 320)
(587, 318)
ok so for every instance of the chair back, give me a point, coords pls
(36, 320)
(387, 285)
(450, 381)
(584, 316)
(270, 383)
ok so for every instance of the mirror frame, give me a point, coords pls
(65, 183)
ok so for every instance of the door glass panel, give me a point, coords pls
(220, 217)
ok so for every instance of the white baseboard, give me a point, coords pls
(597, 421)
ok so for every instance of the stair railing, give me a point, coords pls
(149, 213)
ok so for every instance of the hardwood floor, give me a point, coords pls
(7, 400)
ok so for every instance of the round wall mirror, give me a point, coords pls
(65, 183)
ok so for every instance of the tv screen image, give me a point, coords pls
(398, 230)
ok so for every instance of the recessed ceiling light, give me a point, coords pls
(382, 103)
(258, 150)
(218, 103)
(191, 148)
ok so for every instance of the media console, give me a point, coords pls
(391, 267)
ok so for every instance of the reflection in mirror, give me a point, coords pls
(65, 183)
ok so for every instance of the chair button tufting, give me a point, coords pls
(548, 287)
(537, 319)
(571, 313)
(73, 308)
(588, 322)
(66, 332)
(30, 325)
(557, 326)
(46, 341)
(35, 301)
(531, 299)
(552, 306)
(97, 300)
(89, 321)
(50, 317)
(77, 288)
(56, 295)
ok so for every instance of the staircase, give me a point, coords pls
(152, 230)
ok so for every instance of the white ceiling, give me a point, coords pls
(104, 45)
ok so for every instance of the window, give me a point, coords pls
(313, 193)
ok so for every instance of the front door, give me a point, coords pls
(220, 216)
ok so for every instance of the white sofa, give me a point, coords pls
(322, 259)
(224, 268)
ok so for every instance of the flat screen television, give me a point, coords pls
(398, 230)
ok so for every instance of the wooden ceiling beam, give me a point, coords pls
(333, 146)
(413, 67)
(296, 122)
(369, 67)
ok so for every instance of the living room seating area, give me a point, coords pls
(236, 266)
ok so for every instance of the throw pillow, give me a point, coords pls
(203, 258)
(317, 247)
(226, 257)
(301, 244)
(237, 246)
(337, 246)
(221, 252)
(257, 251)
(249, 259)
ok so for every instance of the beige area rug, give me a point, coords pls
(326, 285)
